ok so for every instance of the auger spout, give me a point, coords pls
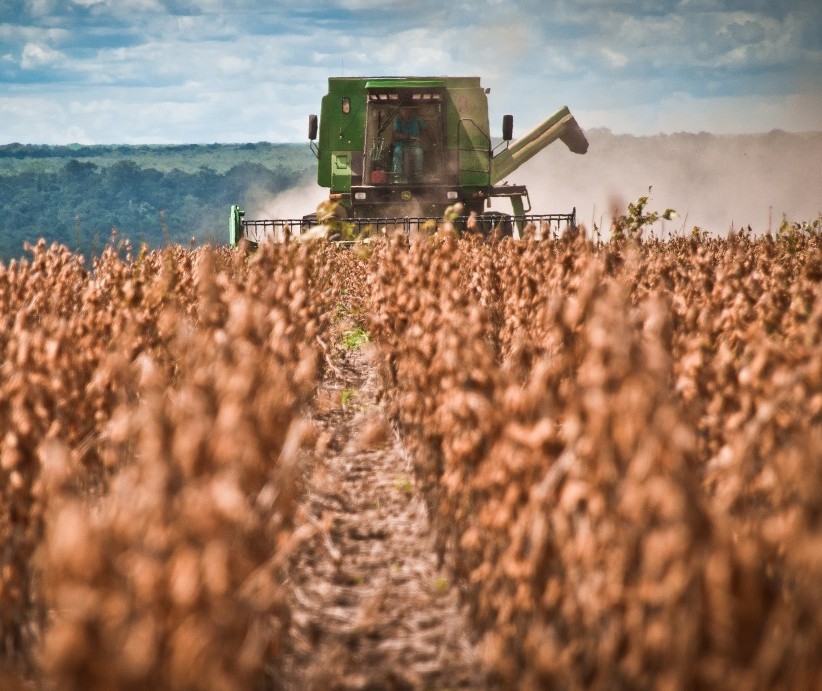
(561, 125)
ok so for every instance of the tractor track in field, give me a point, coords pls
(371, 608)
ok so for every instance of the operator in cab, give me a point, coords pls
(408, 128)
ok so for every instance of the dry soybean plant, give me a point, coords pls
(152, 428)
(619, 444)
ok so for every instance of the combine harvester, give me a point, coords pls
(405, 151)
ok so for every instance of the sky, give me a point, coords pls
(202, 71)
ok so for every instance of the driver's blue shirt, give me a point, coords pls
(412, 127)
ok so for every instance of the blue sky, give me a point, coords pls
(157, 71)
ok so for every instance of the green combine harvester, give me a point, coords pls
(405, 151)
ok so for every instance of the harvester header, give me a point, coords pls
(402, 150)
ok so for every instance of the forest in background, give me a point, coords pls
(76, 195)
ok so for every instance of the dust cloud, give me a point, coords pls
(712, 181)
(292, 203)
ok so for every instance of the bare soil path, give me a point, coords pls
(371, 608)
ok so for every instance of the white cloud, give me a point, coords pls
(35, 56)
(412, 52)
(122, 6)
(208, 5)
(232, 65)
(10, 33)
(362, 4)
(744, 30)
(40, 8)
(77, 135)
(615, 58)
(200, 27)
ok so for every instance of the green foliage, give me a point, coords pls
(355, 338)
(790, 234)
(404, 485)
(186, 158)
(634, 223)
(76, 195)
(795, 228)
(345, 311)
(345, 397)
(441, 585)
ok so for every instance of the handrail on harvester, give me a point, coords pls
(280, 230)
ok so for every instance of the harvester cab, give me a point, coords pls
(401, 151)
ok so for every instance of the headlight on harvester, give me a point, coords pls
(359, 196)
(452, 194)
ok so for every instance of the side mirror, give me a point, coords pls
(312, 127)
(507, 127)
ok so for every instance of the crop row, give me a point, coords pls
(620, 446)
(151, 425)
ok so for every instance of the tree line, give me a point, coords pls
(81, 202)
